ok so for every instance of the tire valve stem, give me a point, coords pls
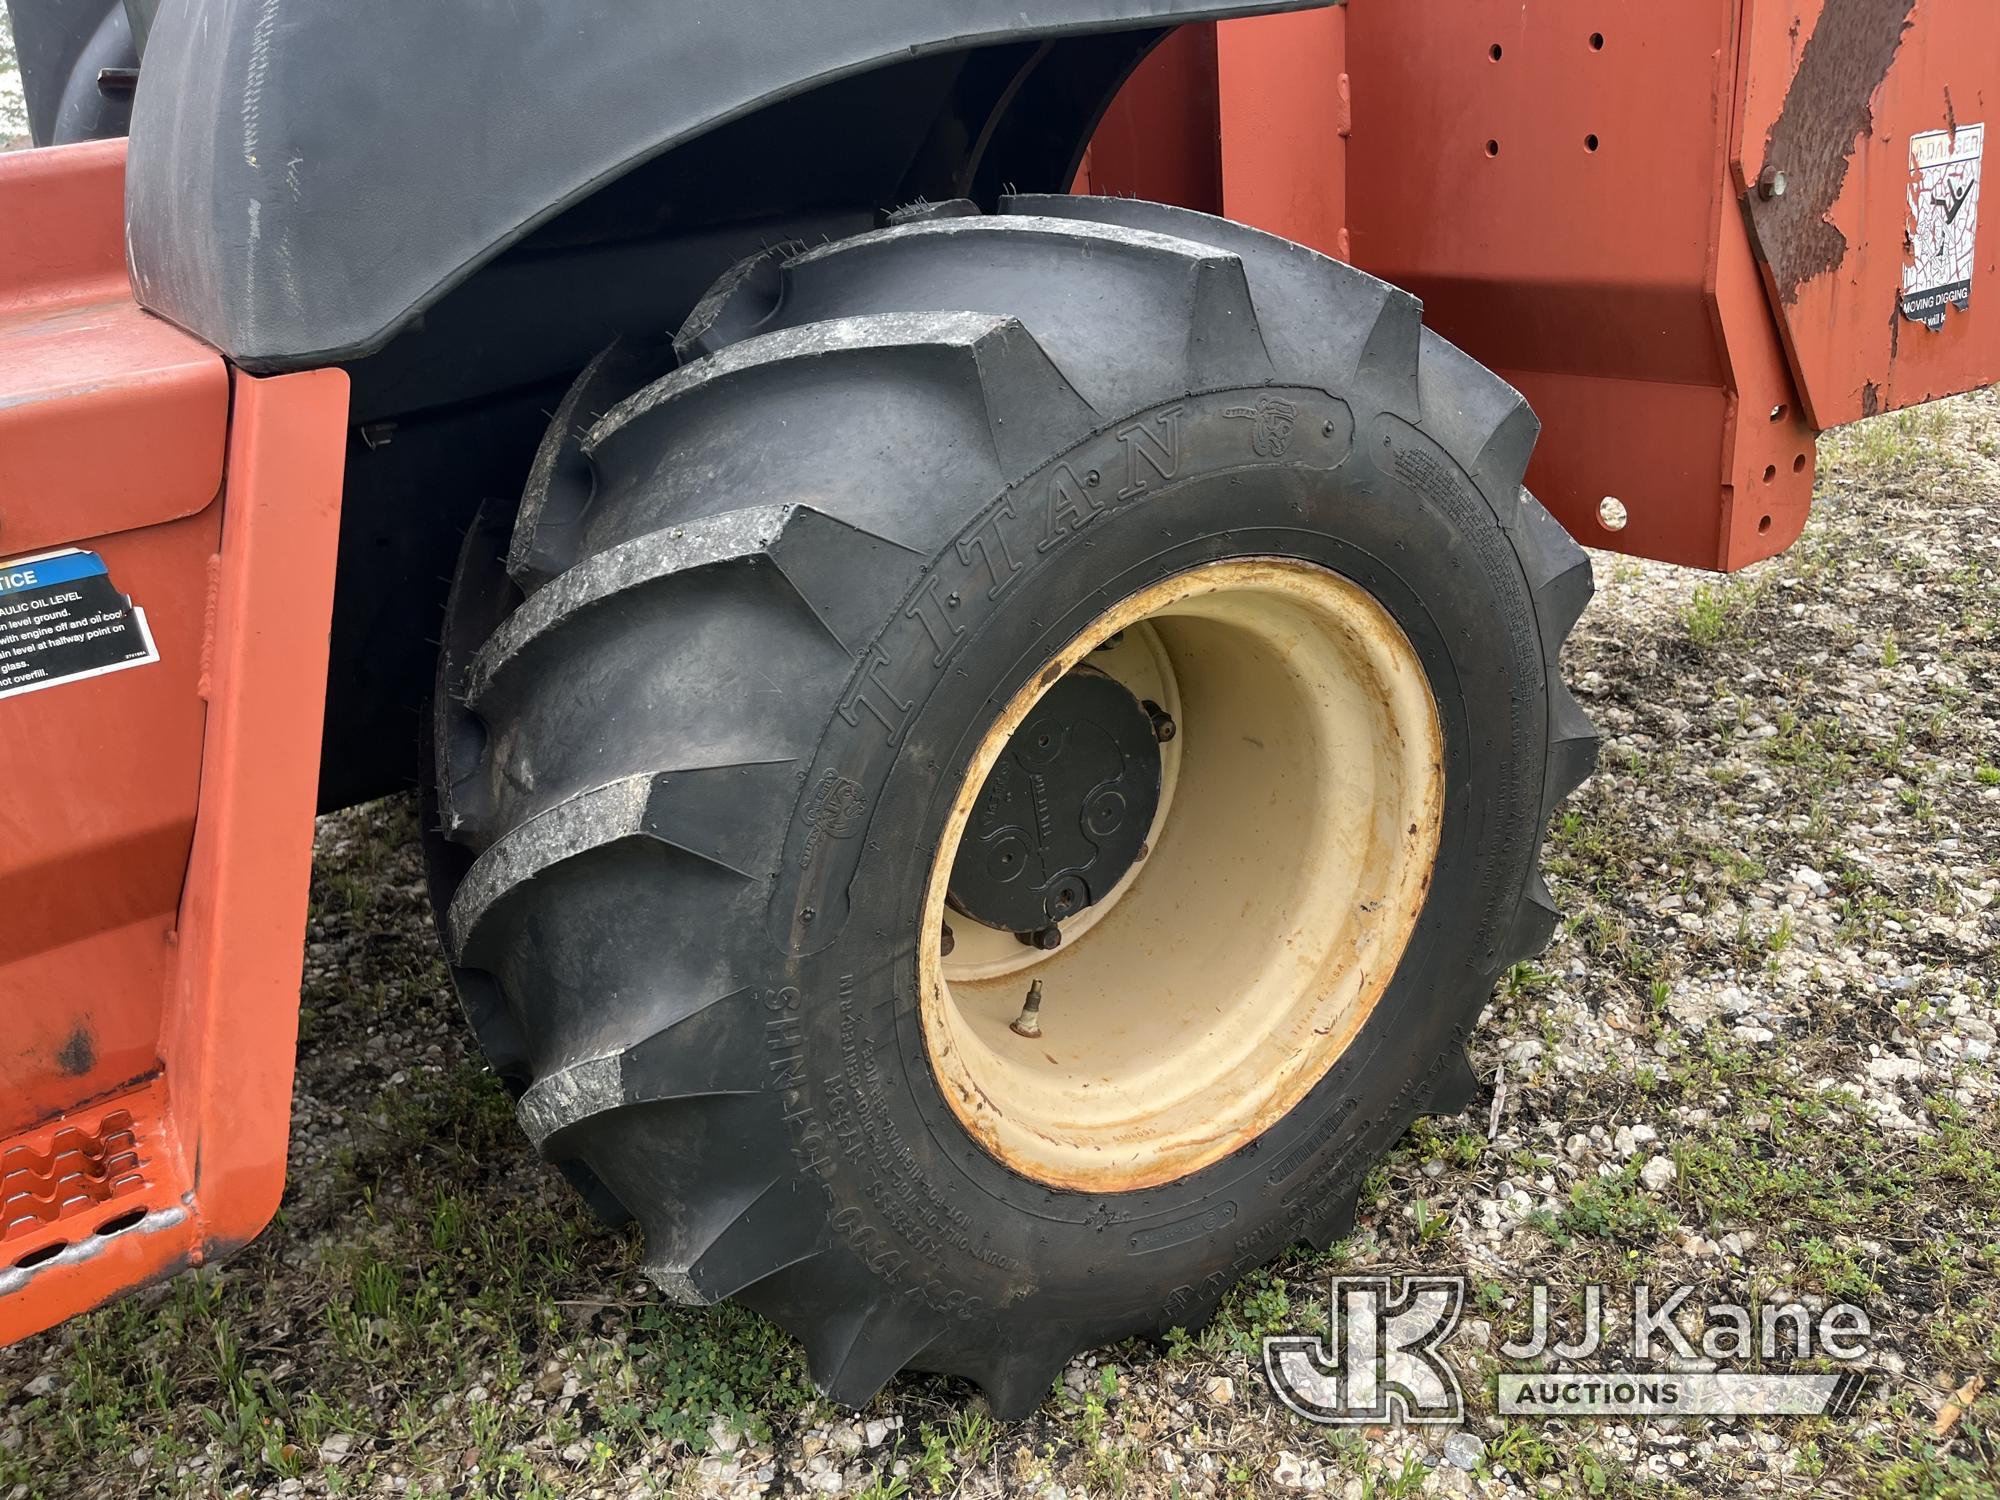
(1029, 1021)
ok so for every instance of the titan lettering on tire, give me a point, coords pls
(946, 563)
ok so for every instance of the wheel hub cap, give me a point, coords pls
(1065, 809)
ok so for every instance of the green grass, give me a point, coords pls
(425, 1291)
(1891, 450)
(1720, 613)
(432, 1289)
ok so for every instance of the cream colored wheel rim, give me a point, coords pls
(1222, 977)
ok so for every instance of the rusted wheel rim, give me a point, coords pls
(1226, 973)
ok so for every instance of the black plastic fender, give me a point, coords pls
(305, 177)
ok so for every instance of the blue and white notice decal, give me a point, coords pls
(62, 621)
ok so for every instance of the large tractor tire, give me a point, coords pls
(979, 803)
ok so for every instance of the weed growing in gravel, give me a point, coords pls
(1774, 987)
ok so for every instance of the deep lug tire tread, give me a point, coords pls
(660, 560)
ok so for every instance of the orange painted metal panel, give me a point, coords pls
(214, 1114)
(110, 418)
(1236, 119)
(62, 239)
(112, 425)
(97, 811)
(106, 412)
(233, 1013)
(155, 822)
(1159, 139)
(1553, 181)
(90, 1204)
(1285, 122)
(1874, 118)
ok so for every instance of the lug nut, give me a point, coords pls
(1029, 1021)
(1164, 727)
(946, 942)
(1046, 938)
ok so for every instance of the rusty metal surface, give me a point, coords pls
(1811, 144)
(1681, 231)
(1832, 93)
(1553, 181)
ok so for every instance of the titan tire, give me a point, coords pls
(714, 720)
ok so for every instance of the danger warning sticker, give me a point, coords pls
(61, 621)
(1944, 219)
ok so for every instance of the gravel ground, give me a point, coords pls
(13, 103)
(1758, 1057)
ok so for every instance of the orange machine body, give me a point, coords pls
(155, 826)
(1692, 235)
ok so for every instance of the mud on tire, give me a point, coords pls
(705, 701)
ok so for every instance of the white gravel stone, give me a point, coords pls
(335, 1448)
(1464, 1450)
(1894, 1069)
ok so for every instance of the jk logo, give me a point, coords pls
(1380, 1360)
